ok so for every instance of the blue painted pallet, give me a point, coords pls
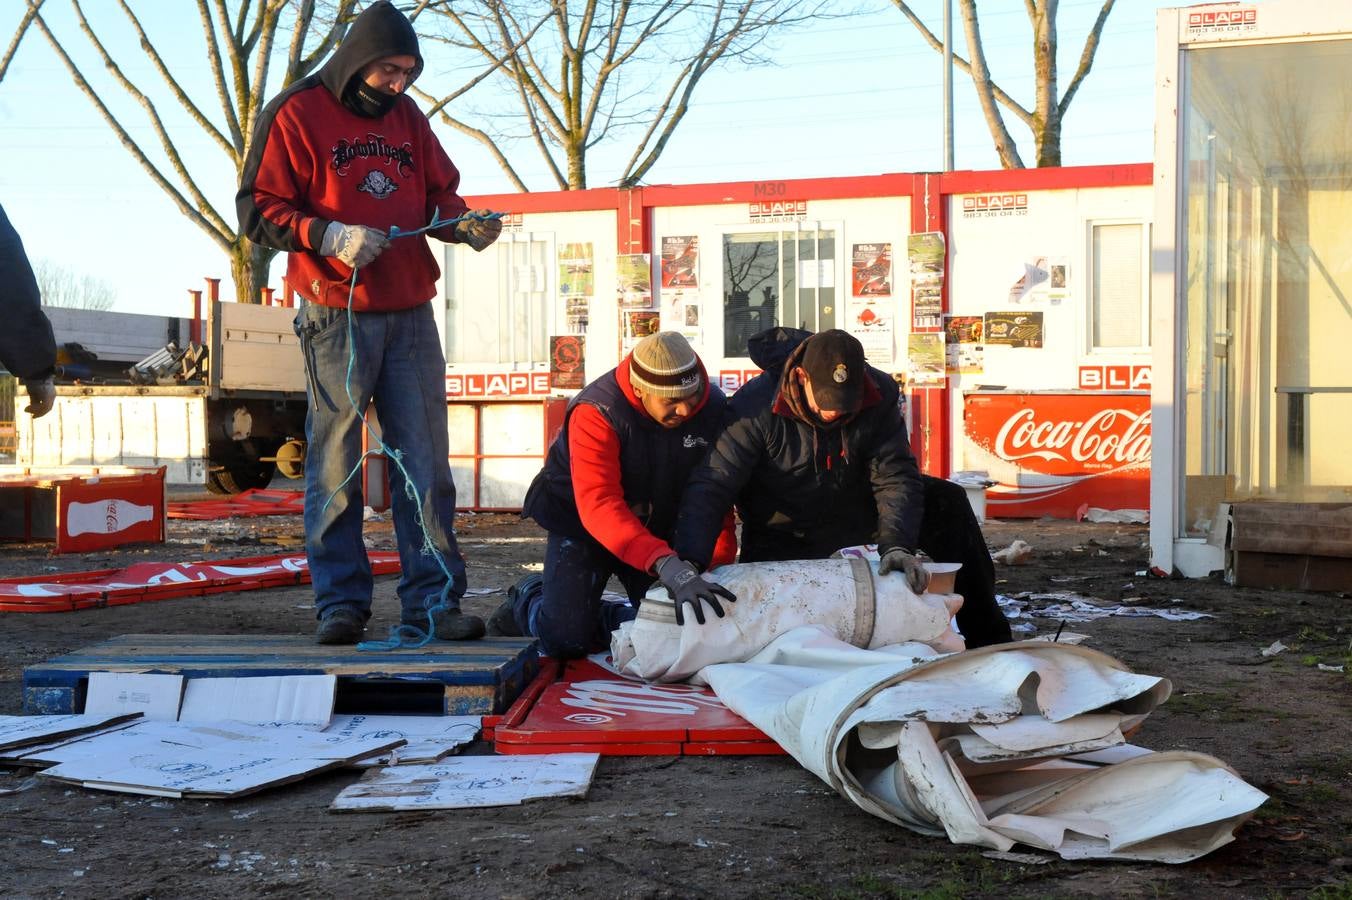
(460, 678)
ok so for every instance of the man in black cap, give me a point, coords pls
(816, 458)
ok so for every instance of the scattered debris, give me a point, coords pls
(1116, 516)
(470, 781)
(1029, 859)
(1016, 554)
(1273, 649)
(1072, 607)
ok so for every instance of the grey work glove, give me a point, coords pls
(41, 396)
(354, 245)
(912, 565)
(477, 230)
(683, 582)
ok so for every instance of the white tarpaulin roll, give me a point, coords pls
(845, 596)
(1014, 743)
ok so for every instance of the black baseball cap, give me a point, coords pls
(834, 363)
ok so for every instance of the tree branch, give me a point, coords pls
(1086, 56)
(1004, 99)
(14, 42)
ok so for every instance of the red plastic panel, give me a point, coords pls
(160, 581)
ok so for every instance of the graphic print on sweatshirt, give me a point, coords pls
(373, 146)
(378, 184)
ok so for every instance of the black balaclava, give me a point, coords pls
(380, 31)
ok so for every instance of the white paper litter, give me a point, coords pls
(428, 738)
(470, 781)
(1071, 607)
(1273, 649)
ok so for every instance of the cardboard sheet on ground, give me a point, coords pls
(846, 596)
(20, 732)
(985, 746)
(470, 781)
(427, 738)
(217, 759)
(156, 697)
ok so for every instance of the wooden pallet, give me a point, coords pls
(461, 678)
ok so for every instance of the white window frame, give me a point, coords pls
(1090, 285)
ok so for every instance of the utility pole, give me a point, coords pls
(948, 85)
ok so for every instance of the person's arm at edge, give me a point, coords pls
(27, 346)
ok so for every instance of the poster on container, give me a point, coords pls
(577, 284)
(965, 344)
(925, 256)
(1014, 329)
(925, 359)
(633, 280)
(567, 359)
(680, 261)
(874, 324)
(1060, 453)
(871, 270)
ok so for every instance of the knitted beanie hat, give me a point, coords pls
(664, 365)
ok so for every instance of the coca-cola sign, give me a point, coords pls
(1055, 454)
(1108, 439)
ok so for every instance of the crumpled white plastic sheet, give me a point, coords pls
(847, 597)
(1016, 743)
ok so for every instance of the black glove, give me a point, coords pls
(911, 564)
(683, 582)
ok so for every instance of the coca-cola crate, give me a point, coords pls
(82, 508)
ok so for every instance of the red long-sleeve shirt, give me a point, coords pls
(594, 449)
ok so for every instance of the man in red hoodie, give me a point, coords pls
(338, 160)
(608, 496)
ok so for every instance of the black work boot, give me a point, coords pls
(503, 621)
(450, 625)
(341, 626)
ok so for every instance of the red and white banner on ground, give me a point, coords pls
(161, 581)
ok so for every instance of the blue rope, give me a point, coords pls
(401, 636)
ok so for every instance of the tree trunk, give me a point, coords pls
(1047, 127)
(577, 166)
(249, 269)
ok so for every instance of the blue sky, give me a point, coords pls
(846, 97)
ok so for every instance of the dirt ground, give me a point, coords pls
(697, 827)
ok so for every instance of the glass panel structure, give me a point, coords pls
(1266, 273)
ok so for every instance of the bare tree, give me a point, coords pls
(241, 48)
(61, 285)
(14, 42)
(1044, 119)
(584, 71)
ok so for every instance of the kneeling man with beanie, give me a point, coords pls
(608, 496)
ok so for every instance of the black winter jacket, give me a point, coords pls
(27, 348)
(801, 492)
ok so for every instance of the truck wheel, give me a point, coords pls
(240, 477)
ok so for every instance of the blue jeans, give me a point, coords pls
(568, 615)
(398, 365)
